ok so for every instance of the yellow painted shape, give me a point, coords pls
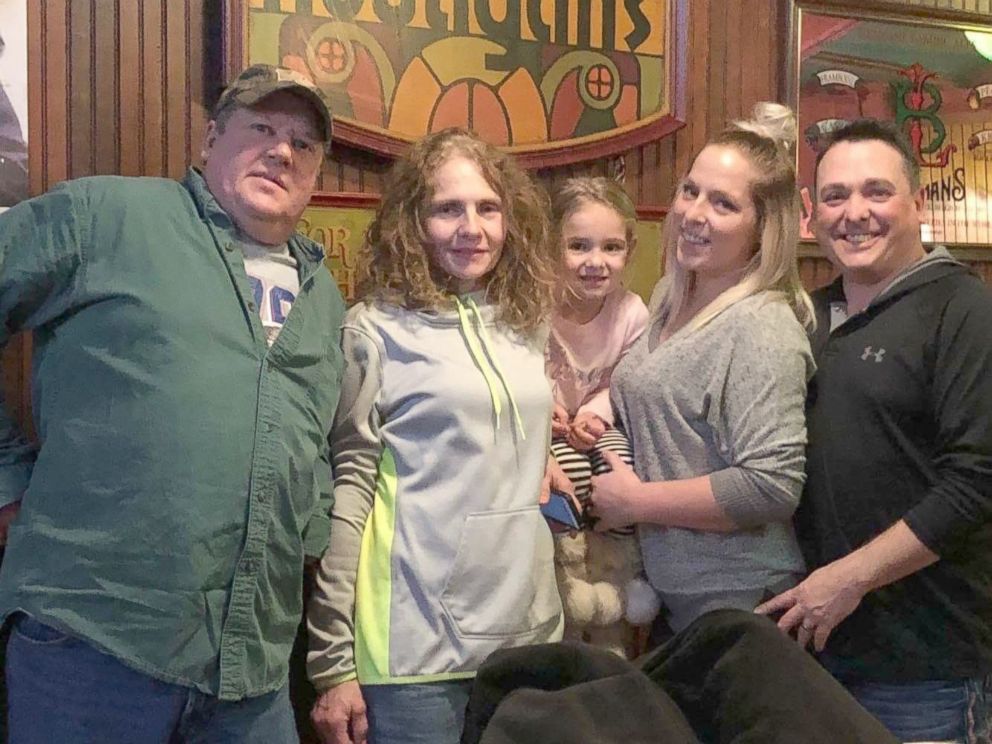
(463, 58)
(287, 6)
(573, 24)
(419, 19)
(596, 24)
(366, 14)
(548, 15)
(526, 33)
(413, 104)
(522, 99)
(656, 12)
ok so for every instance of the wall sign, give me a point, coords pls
(554, 81)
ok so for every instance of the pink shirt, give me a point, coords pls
(580, 358)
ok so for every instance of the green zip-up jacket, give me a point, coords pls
(183, 468)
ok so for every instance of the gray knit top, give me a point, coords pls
(725, 400)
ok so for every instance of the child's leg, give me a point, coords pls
(576, 466)
(615, 441)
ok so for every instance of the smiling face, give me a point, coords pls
(715, 216)
(465, 224)
(261, 165)
(867, 218)
(595, 252)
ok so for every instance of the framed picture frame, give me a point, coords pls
(551, 81)
(921, 68)
(13, 102)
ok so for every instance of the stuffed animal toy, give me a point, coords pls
(602, 588)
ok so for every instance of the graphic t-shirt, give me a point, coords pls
(275, 282)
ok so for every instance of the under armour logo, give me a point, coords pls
(869, 353)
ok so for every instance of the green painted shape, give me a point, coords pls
(652, 85)
(644, 268)
(263, 37)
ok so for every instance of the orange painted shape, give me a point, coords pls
(452, 109)
(567, 107)
(365, 90)
(625, 112)
(414, 100)
(489, 116)
(524, 107)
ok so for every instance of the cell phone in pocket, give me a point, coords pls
(561, 509)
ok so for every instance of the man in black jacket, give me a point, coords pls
(895, 519)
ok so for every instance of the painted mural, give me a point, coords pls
(931, 81)
(525, 74)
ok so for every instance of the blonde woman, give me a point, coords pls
(712, 395)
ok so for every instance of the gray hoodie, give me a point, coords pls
(438, 554)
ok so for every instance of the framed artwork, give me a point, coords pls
(553, 81)
(338, 223)
(929, 71)
(13, 102)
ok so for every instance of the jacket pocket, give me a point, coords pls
(502, 582)
(37, 633)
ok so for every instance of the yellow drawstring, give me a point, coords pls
(480, 358)
(488, 344)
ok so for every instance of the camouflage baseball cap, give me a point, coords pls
(259, 81)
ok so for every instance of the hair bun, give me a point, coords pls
(772, 121)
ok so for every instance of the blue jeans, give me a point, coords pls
(61, 689)
(957, 711)
(430, 713)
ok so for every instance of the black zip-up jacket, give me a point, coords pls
(900, 427)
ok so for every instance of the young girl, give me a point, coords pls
(440, 443)
(594, 323)
(596, 320)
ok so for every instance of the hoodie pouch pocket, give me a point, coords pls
(502, 583)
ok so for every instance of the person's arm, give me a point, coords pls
(356, 446)
(828, 595)
(317, 533)
(39, 256)
(757, 420)
(318, 530)
(958, 503)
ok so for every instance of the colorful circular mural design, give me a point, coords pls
(535, 76)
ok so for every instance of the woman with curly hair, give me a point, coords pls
(439, 552)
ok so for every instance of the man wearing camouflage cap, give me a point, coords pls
(185, 378)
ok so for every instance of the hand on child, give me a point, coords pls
(614, 496)
(585, 431)
(560, 421)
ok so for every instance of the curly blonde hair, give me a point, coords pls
(395, 263)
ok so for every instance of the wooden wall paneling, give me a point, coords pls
(175, 69)
(197, 100)
(152, 98)
(53, 123)
(81, 52)
(714, 100)
(106, 100)
(130, 122)
(733, 61)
